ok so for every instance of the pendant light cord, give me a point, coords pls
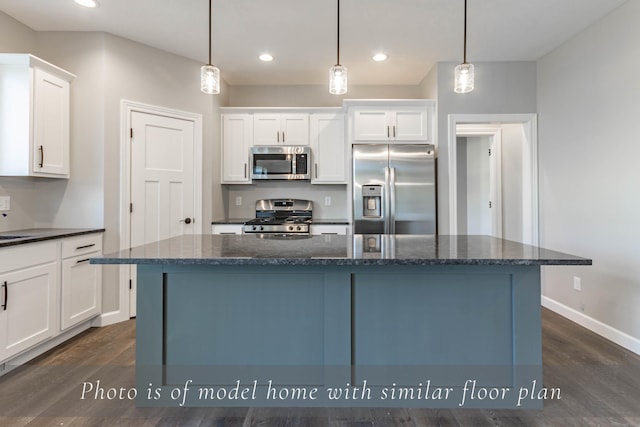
(210, 31)
(338, 42)
(465, 32)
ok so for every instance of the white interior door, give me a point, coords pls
(479, 181)
(478, 187)
(162, 181)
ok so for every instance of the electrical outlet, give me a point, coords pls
(238, 200)
(5, 203)
(577, 283)
(327, 201)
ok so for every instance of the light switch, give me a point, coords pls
(5, 203)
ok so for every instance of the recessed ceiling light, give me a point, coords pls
(88, 3)
(378, 57)
(266, 57)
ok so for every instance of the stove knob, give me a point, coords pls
(298, 228)
(291, 228)
(254, 228)
(261, 228)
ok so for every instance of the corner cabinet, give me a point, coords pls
(389, 121)
(329, 150)
(237, 130)
(35, 129)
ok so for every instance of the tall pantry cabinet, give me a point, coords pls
(34, 117)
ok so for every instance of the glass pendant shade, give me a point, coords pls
(463, 78)
(338, 80)
(210, 79)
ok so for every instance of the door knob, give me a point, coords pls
(186, 220)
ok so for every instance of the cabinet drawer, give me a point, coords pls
(81, 245)
(27, 255)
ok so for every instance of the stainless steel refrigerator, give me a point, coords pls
(394, 189)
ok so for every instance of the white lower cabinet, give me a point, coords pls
(81, 287)
(46, 289)
(227, 228)
(28, 315)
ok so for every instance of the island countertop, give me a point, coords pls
(349, 250)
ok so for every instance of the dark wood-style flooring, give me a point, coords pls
(599, 383)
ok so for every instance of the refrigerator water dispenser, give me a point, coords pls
(371, 201)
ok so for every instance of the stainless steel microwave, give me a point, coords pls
(280, 162)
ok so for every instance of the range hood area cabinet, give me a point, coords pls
(34, 117)
(281, 129)
(321, 128)
(393, 121)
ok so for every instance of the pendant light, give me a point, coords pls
(338, 73)
(464, 71)
(210, 74)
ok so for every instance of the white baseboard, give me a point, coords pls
(110, 318)
(621, 338)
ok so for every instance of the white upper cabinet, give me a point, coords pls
(280, 129)
(236, 142)
(328, 149)
(390, 123)
(35, 129)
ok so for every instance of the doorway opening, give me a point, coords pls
(493, 182)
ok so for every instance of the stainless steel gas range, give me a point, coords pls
(281, 216)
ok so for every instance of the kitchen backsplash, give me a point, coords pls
(281, 189)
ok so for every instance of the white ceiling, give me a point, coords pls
(301, 34)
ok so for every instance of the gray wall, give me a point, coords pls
(313, 95)
(588, 105)
(500, 88)
(17, 38)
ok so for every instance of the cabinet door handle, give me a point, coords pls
(41, 156)
(283, 136)
(388, 131)
(394, 131)
(85, 246)
(5, 286)
(316, 167)
(245, 171)
(80, 261)
(278, 136)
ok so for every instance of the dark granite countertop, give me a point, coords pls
(32, 235)
(258, 249)
(330, 222)
(315, 221)
(230, 221)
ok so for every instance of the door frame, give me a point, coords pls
(530, 221)
(495, 168)
(127, 107)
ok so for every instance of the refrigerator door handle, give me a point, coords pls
(392, 200)
(387, 199)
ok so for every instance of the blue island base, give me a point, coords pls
(428, 336)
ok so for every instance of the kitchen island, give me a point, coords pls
(356, 320)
